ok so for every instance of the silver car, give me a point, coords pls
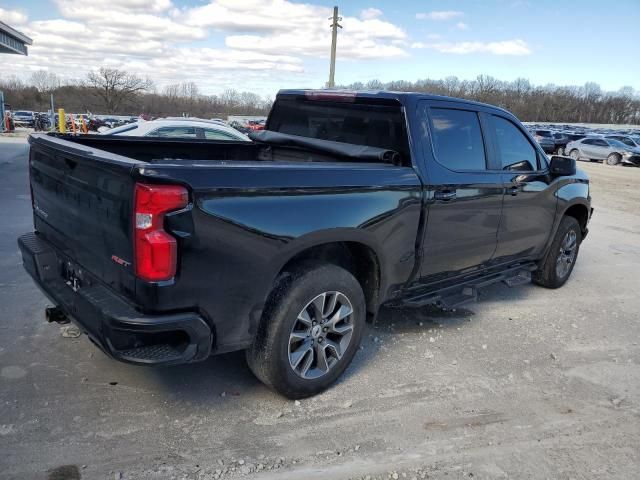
(179, 128)
(611, 152)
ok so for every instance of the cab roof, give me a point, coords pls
(402, 98)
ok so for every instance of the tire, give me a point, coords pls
(558, 264)
(575, 154)
(560, 151)
(612, 160)
(286, 354)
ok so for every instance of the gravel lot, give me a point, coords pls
(526, 383)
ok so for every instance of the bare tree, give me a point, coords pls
(116, 87)
(45, 82)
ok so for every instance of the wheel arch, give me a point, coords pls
(580, 212)
(352, 252)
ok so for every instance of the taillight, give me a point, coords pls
(155, 250)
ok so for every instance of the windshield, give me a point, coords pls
(617, 143)
(625, 140)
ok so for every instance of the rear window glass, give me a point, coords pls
(380, 126)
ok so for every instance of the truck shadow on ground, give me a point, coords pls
(227, 375)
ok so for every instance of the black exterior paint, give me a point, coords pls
(247, 219)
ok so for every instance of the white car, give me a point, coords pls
(179, 128)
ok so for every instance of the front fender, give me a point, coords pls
(571, 192)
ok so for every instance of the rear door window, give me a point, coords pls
(457, 139)
(174, 132)
(514, 150)
(211, 134)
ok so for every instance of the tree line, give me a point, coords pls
(112, 91)
(115, 92)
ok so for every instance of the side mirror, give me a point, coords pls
(562, 166)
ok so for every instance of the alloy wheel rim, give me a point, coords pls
(567, 254)
(320, 335)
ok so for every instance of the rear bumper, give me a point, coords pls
(111, 323)
(548, 147)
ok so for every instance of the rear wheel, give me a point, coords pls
(557, 266)
(560, 151)
(575, 154)
(612, 160)
(310, 331)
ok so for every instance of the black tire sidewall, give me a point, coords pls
(300, 290)
(549, 277)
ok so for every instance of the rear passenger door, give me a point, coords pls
(464, 198)
(600, 149)
(529, 203)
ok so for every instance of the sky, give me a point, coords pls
(264, 45)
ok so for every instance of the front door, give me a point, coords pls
(464, 197)
(529, 205)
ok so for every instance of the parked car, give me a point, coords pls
(611, 152)
(24, 118)
(560, 140)
(546, 140)
(285, 246)
(239, 127)
(179, 128)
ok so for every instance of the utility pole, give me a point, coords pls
(334, 38)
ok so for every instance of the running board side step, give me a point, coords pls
(466, 291)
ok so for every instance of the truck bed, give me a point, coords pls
(149, 149)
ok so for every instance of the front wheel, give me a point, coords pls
(612, 160)
(575, 154)
(557, 266)
(310, 331)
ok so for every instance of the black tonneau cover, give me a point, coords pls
(361, 153)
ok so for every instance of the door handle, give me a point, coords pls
(445, 195)
(514, 191)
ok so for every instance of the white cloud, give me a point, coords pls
(297, 29)
(506, 47)
(14, 18)
(370, 13)
(265, 41)
(439, 15)
(462, 26)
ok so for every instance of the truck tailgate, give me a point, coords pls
(82, 202)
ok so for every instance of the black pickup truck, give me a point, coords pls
(166, 251)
